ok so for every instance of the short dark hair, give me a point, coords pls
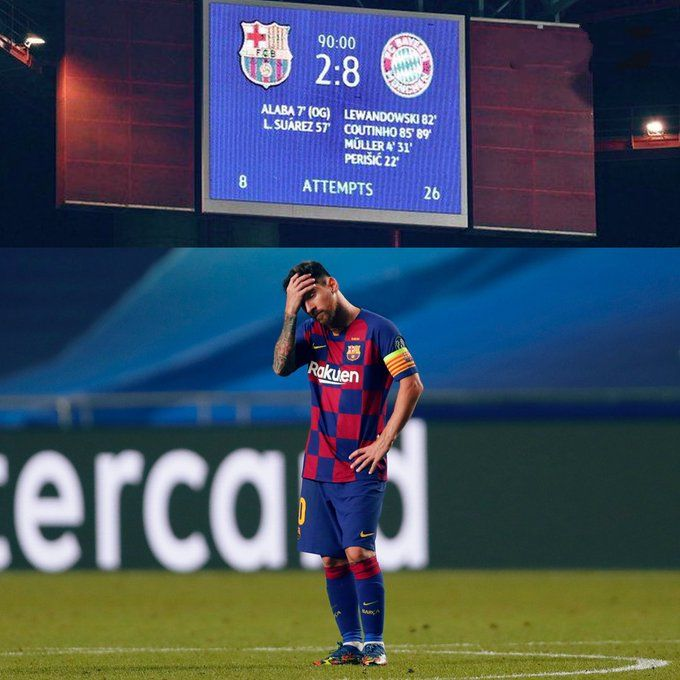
(316, 269)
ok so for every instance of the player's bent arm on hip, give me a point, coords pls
(410, 389)
(284, 350)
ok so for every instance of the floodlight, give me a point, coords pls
(32, 39)
(655, 128)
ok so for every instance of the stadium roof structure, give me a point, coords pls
(635, 66)
(530, 10)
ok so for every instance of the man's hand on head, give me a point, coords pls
(298, 287)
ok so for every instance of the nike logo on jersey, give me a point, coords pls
(318, 346)
(365, 535)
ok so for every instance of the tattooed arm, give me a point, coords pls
(284, 351)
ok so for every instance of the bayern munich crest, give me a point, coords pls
(407, 65)
(265, 54)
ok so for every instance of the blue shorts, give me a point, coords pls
(333, 516)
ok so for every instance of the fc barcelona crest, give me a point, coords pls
(353, 352)
(265, 55)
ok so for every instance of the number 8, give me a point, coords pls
(351, 66)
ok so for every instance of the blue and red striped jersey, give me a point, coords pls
(350, 375)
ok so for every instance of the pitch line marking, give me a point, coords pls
(50, 651)
(592, 642)
(639, 665)
(416, 646)
(531, 642)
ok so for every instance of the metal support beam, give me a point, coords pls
(557, 7)
(502, 7)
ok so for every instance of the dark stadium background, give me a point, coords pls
(636, 63)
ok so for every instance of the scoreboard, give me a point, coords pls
(333, 112)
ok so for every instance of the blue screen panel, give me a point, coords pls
(331, 112)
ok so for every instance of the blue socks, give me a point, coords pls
(343, 598)
(354, 588)
(370, 592)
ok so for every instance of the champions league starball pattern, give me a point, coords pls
(407, 65)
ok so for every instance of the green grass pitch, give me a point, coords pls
(440, 624)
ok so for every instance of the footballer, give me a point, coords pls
(352, 357)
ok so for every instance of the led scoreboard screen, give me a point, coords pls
(332, 112)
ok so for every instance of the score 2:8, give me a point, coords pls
(350, 71)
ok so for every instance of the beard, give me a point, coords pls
(325, 317)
